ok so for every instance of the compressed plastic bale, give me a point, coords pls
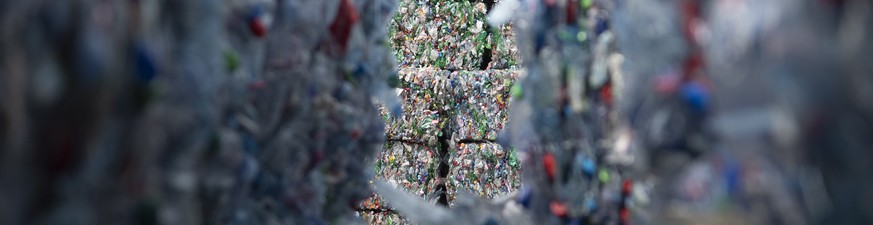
(504, 51)
(417, 123)
(411, 167)
(476, 121)
(432, 84)
(484, 169)
(439, 34)
(434, 39)
(473, 104)
(383, 218)
(480, 103)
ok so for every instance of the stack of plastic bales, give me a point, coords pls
(456, 134)
(190, 112)
(485, 169)
(454, 79)
(408, 166)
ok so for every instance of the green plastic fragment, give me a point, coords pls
(231, 60)
(586, 3)
(603, 176)
(513, 158)
(582, 36)
(516, 91)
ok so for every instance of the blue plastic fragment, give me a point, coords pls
(313, 90)
(602, 25)
(145, 65)
(255, 11)
(249, 144)
(696, 96)
(590, 205)
(491, 221)
(524, 197)
(588, 167)
(732, 176)
(360, 71)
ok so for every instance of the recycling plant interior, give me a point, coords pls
(436, 112)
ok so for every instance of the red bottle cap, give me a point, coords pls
(341, 28)
(549, 164)
(258, 28)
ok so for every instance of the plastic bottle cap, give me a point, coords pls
(549, 164)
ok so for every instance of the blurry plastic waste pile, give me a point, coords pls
(455, 79)
(682, 112)
(190, 112)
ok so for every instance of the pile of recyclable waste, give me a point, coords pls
(442, 111)
(191, 112)
(450, 35)
(436, 112)
(485, 169)
(470, 104)
(455, 78)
